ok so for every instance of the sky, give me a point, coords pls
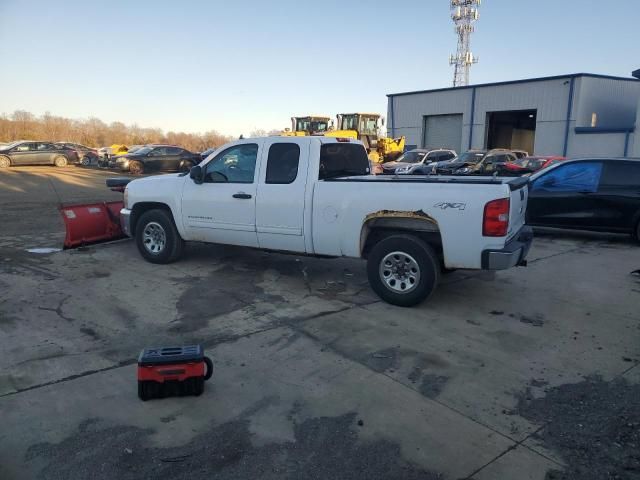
(236, 66)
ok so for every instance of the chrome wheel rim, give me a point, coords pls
(60, 162)
(154, 238)
(399, 272)
(85, 161)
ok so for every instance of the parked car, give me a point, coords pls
(105, 153)
(157, 158)
(490, 163)
(315, 196)
(411, 162)
(113, 160)
(36, 153)
(589, 194)
(520, 153)
(467, 159)
(528, 165)
(86, 155)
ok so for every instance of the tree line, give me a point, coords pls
(93, 132)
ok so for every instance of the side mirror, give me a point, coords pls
(196, 174)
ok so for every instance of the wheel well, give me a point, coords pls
(384, 224)
(140, 208)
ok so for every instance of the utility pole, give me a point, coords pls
(464, 14)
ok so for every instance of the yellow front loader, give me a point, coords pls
(365, 127)
(309, 125)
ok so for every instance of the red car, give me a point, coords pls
(527, 165)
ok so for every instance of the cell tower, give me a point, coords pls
(464, 14)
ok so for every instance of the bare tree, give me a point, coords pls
(22, 125)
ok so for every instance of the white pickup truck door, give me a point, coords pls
(281, 194)
(223, 208)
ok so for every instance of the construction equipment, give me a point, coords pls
(365, 127)
(309, 125)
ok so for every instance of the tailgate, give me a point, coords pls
(519, 189)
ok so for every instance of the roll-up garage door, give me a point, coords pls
(443, 131)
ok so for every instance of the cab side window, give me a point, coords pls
(575, 177)
(236, 164)
(282, 164)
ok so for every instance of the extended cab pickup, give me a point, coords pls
(315, 196)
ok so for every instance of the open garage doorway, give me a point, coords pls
(513, 129)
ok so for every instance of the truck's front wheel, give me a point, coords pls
(157, 238)
(403, 270)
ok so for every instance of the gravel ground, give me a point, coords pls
(594, 425)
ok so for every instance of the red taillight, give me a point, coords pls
(496, 218)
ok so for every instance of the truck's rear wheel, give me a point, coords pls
(403, 270)
(157, 238)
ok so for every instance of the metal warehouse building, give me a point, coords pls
(572, 115)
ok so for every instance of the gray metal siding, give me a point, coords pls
(614, 102)
(408, 111)
(597, 145)
(443, 131)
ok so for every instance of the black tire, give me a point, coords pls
(143, 391)
(150, 229)
(60, 161)
(86, 161)
(5, 162)
(136, 167)
(209, 364)
(395, 250)
(198, 386)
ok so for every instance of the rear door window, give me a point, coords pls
(574, 177)
(282, 164)
(620, 174)
(342, 160)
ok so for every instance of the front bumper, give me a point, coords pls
(125, 221)
(513, 254)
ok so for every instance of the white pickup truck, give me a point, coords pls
(315, 196)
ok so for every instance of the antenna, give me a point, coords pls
(464, 14)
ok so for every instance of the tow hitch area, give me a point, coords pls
(172, 371)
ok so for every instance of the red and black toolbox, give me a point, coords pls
(172, 371)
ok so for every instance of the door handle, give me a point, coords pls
(242, 196)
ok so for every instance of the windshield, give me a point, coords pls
(349, 122)
(136, 148)
(342, 160)
(7, 146)
(368, 125)
(411, 157)
(470, 157)
(307, 125)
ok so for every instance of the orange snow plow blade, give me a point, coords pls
(91, 223)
